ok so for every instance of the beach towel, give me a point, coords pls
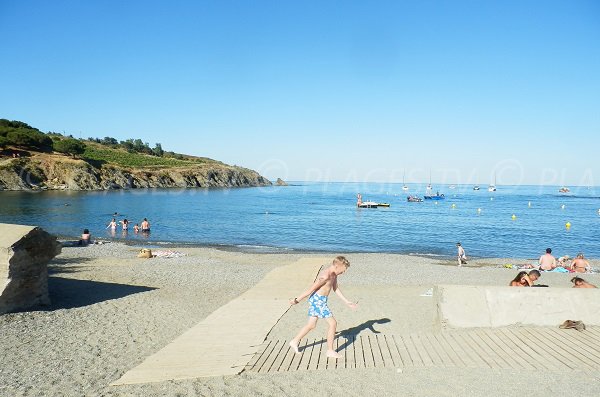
(168, 254)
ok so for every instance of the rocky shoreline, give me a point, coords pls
(42, 173)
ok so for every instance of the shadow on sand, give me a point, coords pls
(66, 293)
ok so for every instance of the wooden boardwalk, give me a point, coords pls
(537, 348)
(224, 342)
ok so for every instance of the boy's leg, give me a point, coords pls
(330, 337)
(310, 325)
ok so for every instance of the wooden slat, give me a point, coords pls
(448, 352)
(487, 352)
(556, 349)
(388, 355)
(403, 354)
(472, 350)
(368, 354)
(427, 361)
(431, 351)
(376, 351)
(577, 346)
(259, 354)
(548, 348)
(349, 357)
(412, 351)
(313, 355)
(535, 350)
(462, 356)
(509, 348)
(302, 363)
(440, 350)
(497, 349)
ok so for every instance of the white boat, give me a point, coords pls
(404, 187)
(451, 187)
(564, 189)
(476, 187)
(492, 187)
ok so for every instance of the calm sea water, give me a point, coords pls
(323, 217)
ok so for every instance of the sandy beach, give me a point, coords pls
(111, 310)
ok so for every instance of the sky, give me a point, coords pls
(464, 91)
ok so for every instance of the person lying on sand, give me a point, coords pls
(581, 283)
(525, 280)
(317, 301)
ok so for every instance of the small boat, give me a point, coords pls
(414, 199)
(451, 187)
(436, 196)
(368, 204)
(564, 190)
(492, 187)
(404, 187)
(476, 187)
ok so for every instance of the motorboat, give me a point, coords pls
(492, 187)
(436, 196)
(404, 187)
(564, 190)
(414, 199)
(476, 187)
(368, 204)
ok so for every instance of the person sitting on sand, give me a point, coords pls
(317, 299)
(86, 238)
(581, 283)
(579, 264)
(547, 261)
(521, 280)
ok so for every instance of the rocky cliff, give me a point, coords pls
(55, 172)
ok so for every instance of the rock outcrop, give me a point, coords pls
(280, 182)
(24, 255)
(65, 173)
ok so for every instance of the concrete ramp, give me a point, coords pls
(225, 341)
(462, 306)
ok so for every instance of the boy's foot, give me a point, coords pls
(294, 346)
(333, 354)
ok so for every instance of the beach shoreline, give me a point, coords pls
(111, 310)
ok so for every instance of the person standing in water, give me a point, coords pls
(461, 256)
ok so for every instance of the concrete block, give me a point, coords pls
(462, 306)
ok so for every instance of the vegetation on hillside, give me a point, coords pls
(126, 153)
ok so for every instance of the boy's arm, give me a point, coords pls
(315, 287)
(338, 291)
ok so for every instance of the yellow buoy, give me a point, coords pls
(453, 205)
(568, 225)
(436, 203)
(529, 204)
(514, 217)
(478, 210)
(562, 207)
(491, 199)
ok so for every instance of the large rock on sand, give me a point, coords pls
(24, 255)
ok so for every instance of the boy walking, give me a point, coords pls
(317, 304)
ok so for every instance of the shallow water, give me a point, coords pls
(323, 217)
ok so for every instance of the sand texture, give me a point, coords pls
(111, 310)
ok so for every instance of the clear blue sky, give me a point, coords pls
(320, 90)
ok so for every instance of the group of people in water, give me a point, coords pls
(144, 227)
(113, 225)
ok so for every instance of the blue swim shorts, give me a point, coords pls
(317, 306)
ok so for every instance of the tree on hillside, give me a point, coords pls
(158, 150)
(70, 146)
(3, 142)
(29, 138)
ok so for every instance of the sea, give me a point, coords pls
(512, 222)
